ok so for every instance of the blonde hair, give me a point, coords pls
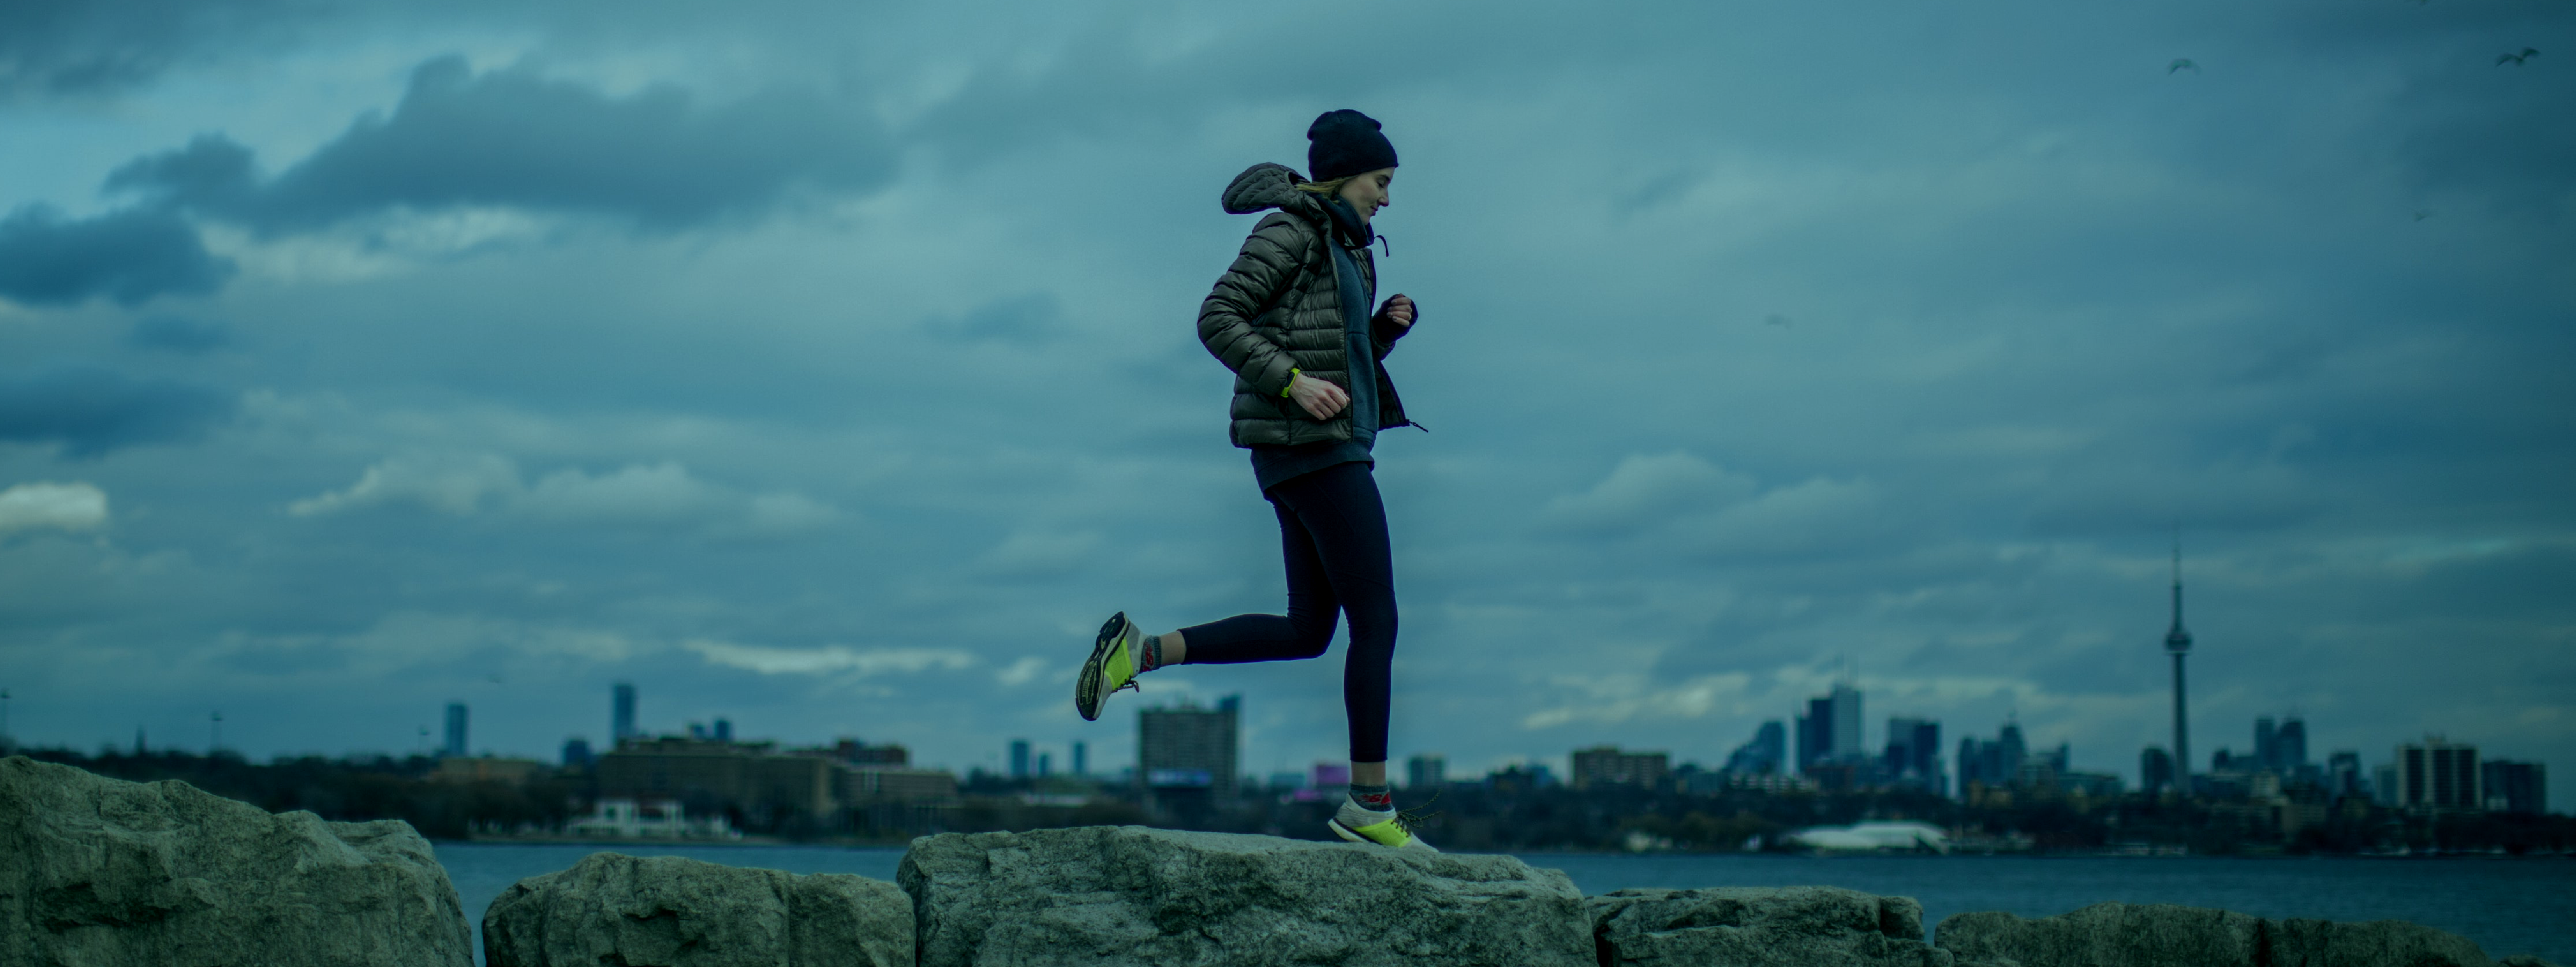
(1333, 187)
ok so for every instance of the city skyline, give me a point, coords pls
(367, 368)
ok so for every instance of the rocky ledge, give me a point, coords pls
(96, 871)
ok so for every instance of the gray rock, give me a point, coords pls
(2164, 935)
(667, 911)
(1799, 926)
(99, 871)
(1130, 895)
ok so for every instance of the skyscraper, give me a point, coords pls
(1187, 755)
(2178, 644)
(1767, 753)
(1426, 771)
(2438, 775)
(2155, 770)
(1081, 759)
(1019, 758)
(455, 730)
(2267, 744)
(2290, 746)
(1830, 731)
(1914, 752)
(621, 713)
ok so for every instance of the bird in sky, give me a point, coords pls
(2423, 213)
(2515, 59)
(2180, 64)
(1776, 319)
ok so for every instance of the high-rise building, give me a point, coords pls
(723, 730)
(2290, 746)
(455, 730)
(2267, 744)
(1019, 758)
(1996, 764)
(1046, 764)
(1081, 759)
(621, 712)
(1184, 748)
(2438, 775)
(1768, 752)
(2155, 770)
(1830, 731)
(1914, 752)
(2514, 787)
(1426, 771)
(576, 752)
(2178, 644)
(1607, 765)
(2344, 776)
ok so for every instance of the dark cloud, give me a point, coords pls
(1019, 319)
(73, 47)
(129, 256)
(179, 335)
(89, 411)
(515, 139)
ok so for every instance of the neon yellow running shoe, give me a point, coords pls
(1112, 666)
(1395, 831)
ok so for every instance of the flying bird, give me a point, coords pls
(2179, 64)
(2423, 213)
(1776, 319)
(2515, 59)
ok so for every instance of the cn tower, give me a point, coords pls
(2178, 644)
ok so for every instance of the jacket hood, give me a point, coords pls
(1265, 186)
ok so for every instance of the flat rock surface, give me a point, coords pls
(1132, 895)
(1797, 926)
(668, 911)
(99, 871)
(2165, 935)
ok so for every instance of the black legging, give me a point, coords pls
(1332, 527)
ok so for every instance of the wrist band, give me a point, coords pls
(1292, 380)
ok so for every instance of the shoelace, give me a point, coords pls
(1413, 818)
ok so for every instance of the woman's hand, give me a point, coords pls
(1319, 397)
(1398, 310)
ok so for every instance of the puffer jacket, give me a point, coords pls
(1278, 307)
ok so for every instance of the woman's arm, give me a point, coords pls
(1266, 266)
(1392, 321)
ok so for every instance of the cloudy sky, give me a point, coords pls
(830, 368)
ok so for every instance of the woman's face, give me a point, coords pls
(1367, 192)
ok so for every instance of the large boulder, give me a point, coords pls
(667, 911)
(1798, 926)
(1130, 895)
(2164, 935)
(99, 871)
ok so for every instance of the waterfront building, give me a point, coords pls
(455, 730)
(1993, 764)
(1767, 752)
(2436, 775)
(757, 778)
(621, 713)
(2290, 746)
(576, 753)
(1019, 758)
(1187, 754)
(2514, 787)
(1081, 759)
(861, 755)
(2343, 776)
(1607, 765)
(1426, 771)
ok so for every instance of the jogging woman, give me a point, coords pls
(1291, 318)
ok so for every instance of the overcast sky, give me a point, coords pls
(831, 368)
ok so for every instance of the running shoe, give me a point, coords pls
(1395, 831)
(1112, 666)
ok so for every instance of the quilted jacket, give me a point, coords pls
(1277, 308)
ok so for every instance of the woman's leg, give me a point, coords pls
(1304, 632)
(1339, 506)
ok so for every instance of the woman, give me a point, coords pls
(1291, 318)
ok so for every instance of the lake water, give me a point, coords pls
(2507, 906)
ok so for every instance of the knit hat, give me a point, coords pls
(1344, 143)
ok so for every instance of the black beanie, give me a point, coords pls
(1344, 143)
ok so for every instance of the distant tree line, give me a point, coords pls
(352, 789)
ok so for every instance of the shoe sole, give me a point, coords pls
(1345, 832)
(1086, 690)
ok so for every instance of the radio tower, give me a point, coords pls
(2178, 644)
